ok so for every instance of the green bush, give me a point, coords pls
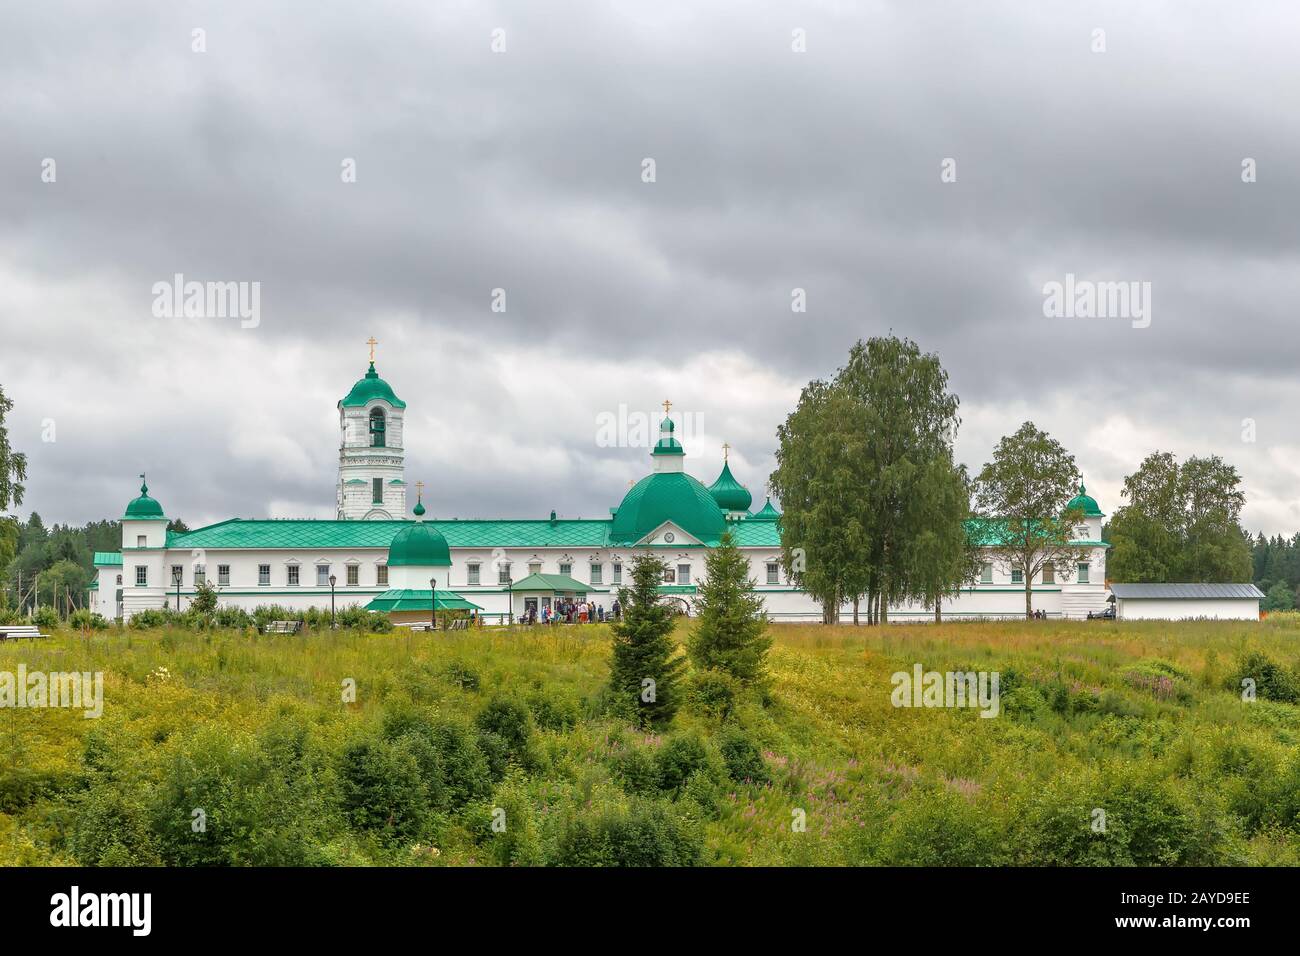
(646, 835)
(1272, 680)
(510, 721)
(85, 619)
(713, 693)
(382, 790)
(1122, 820)
(46, 617)
(461, 675)
(937, 827)
(553, 711)
(636, 771)
(679, 757)
(153, 617)
(743, 757)
(112, 829)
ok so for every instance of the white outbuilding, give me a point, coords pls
(1182, 602)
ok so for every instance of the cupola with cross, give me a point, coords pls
(731, 496)
(371, 482)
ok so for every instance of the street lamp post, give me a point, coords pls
(433, 604)
(333, 581)
(176, 580)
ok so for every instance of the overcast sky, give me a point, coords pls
(522, 170)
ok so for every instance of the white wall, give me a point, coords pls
(1215, 609)
(999, 599)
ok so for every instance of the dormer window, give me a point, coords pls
(377, 428)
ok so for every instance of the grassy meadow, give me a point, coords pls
(490, 747)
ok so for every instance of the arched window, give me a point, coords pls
(377, 428)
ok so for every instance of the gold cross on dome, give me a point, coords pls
(667, 406)
(419, 489)
(372, 342)
(725, 449)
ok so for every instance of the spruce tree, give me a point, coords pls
(731, 632)
(645, 669)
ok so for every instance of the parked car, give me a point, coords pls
(1106, 615)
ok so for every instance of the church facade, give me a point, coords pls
(373, 555)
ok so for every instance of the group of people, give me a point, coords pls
(571, 612)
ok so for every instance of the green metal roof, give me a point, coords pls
(767, 513)
(108, 559)
(419, 545)
(1086, 502)
(407, 599)
(992, 531)
(308, 534)
(553, 582)
(369, 389)
(667, 496)
(143, 508)
(730, 494)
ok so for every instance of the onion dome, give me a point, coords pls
(667, 496)
(370, 388)
(143, 508)
(667, 444)
(420, 545)
(1086, 503)
(766, 513)
(730, 494)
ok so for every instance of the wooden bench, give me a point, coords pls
(20, 632)
(283, 627)
(457, 625)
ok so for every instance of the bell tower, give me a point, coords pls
(372, 461)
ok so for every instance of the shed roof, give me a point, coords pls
(1185, 592)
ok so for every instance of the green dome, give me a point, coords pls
(730, 494)
(144, 507)
(1087, 503)
(667, 496)
(768, 513)
(420, 546)
(370, 388)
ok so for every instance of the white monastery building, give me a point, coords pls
(378, 557)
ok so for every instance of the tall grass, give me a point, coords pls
(1142, 721)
